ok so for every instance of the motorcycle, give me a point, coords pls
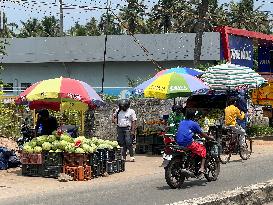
(27, 134)
(180, 164)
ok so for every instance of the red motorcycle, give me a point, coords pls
(181, 164)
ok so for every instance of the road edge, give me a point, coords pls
(260, 193)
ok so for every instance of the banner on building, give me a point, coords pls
(241, 50)
(264, 58)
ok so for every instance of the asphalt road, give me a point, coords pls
(154, 190)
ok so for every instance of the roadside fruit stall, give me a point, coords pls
(80, 158)
(149, 139)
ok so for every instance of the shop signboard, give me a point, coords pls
(241, 50)
(264, 58)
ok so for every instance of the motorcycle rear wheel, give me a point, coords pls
(213, 169)
(173, 176)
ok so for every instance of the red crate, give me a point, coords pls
(73, 159)
(26, 158)
(78, 173)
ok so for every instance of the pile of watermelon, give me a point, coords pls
(65, 143)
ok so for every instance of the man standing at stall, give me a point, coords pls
(125, 118)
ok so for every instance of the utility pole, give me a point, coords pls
(61, 18)
(105, 47)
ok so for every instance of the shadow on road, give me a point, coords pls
(186, 185)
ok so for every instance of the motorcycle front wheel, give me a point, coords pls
(173, 175)
(212, 169)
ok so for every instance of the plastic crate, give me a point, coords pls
(94, 159)
(149, 149)
(78, 173)
(140, 149)
(115, 166)
(158, 140)
(96, 170)
(122, 166)
(53, 158)
(112, 155)
(140, 139)
(74, 159)
(103, 154)
(109, 167)
(149, 139)
(52, 171)
(32, 170)
(119, 165)
(87, 172)
(157, 149)
(26, 158)
(118, 154)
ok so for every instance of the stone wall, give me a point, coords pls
(146, 109)
(99, 123)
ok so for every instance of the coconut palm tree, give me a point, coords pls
(31, 28)
(92, 28)
(132, 16)
(50, 26)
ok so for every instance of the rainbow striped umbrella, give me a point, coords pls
(180, 70)
(174, 85)
(60, 93)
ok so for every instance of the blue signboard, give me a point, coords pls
(241, 50)
(264, 58)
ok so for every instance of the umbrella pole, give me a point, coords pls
(61, 110)
(34, 120)
(82, 122)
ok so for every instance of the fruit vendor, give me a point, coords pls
(125, 118)
(46, 124)
(174, 119)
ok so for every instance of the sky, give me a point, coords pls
(21, 10)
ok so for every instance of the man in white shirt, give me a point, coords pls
(125, 118)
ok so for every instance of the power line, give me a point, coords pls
(147, 53)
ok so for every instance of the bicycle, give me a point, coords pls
(229, 144)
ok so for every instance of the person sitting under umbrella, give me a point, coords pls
(46, 124)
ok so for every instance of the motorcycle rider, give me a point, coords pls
(186, 131)
(232, 113)
(125, 118)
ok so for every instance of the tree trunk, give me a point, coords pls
(200, 28)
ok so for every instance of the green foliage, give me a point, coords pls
(109, 98)
(110, 25)
(132, 16)
(10, 120)
(259, 130)
(164, 17)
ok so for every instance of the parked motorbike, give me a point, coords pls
(181, 164)
(27, 134)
